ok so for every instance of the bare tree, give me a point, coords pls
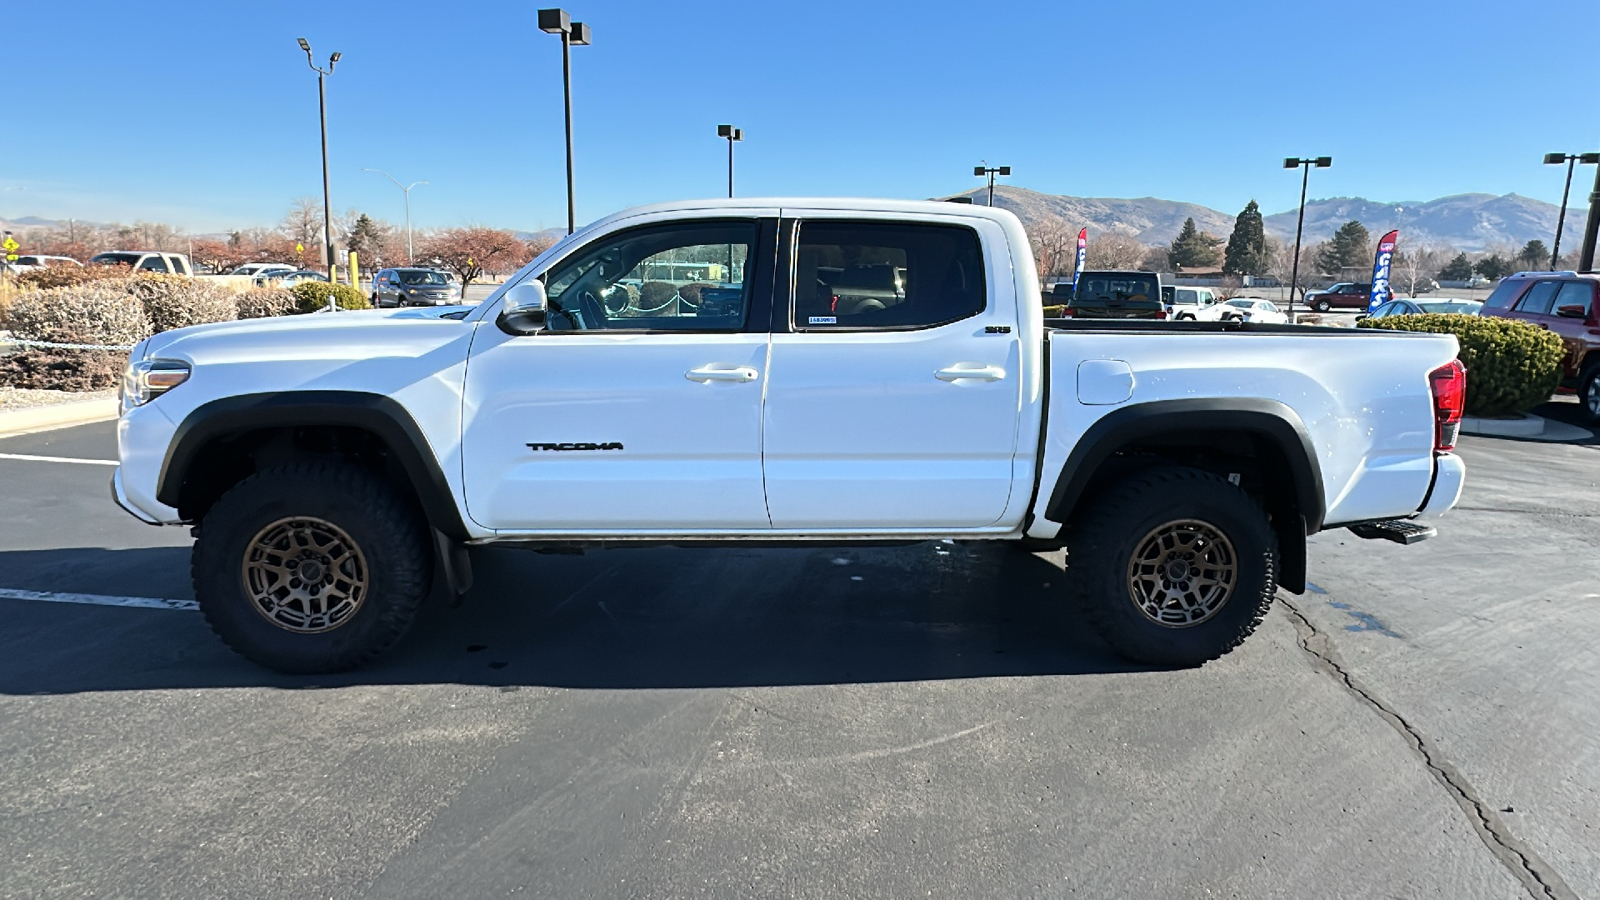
(1055, 247)
(303, 223)
(1416, 268)
(1157, 259)
(1115, 251)
(1280, 265)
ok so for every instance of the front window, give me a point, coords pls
(688, 276)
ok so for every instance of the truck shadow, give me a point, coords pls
(620, 619)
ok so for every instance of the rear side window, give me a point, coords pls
(868, 275)
(1117, 289)
(1187, 297)
(1505, 294)
(153, 264)
(1538, 299)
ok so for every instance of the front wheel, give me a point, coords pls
(1173, 566)
(311, 567)
(1589, 392)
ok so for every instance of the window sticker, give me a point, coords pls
(823, 320)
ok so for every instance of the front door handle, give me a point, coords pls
(961, 371)
(737, 374)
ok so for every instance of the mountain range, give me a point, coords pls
(1470, 222)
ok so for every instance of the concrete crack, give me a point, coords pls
(1539, 878)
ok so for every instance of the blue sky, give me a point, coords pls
(204, 114)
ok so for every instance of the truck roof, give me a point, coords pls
(842, 204)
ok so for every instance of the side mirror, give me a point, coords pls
(522, 310)
(1572, 311)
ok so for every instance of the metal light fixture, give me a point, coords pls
(322, 108)
(731, 134)
(556, 21)
(985, 169)
(1571, 159)
(406, 189)
(1305, 165)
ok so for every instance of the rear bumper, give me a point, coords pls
(1449, 474)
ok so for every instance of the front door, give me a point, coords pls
(895, 383)
(639, 408)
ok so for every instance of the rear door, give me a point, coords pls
(895, 379)
(639, 408)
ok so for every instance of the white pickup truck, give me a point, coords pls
(840, 370)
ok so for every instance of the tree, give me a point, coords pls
(1349, 247)
(1055, 247)
(1493, 267)
(1156, 259)
(1114, 251)
(366, 238)
(303, 224)
(1458, 269)
(1534, 255)
(1280, 264)
(1194, 248)
(1411, 269)
(473, 250)
(1247, 246)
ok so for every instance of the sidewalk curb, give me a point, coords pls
(59, 415)
(1527, 426)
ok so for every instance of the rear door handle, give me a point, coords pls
(971, 371)
(738, 374)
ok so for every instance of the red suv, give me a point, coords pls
(1344, 295)
(1566, 303)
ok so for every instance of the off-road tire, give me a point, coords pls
(1104, 537)
(1589, 392)
(384, 525)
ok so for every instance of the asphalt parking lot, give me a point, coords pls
(919, 721)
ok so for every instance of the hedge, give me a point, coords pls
(313, 295)
(263, 302)
(173, 301)
(101, 312)
(1511, 366)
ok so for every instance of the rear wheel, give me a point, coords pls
(1173, 566)
(311, 567)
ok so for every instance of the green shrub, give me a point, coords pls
(63, 370)
(1511, 366)
(311, 296)
(173, 301)
(263, 302)
(101, 312)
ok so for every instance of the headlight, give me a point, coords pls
(147, 379)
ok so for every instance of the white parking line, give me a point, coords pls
(99, 600)
(25, 457)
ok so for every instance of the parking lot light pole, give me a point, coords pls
(732, 134)
(984, 169)
(1320, 162)
(322, 109)
(556, 21)
(1571, 159)
(406, 189)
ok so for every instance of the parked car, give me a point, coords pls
(1193, 304)
(292, 278)
(1415, 307)
(28, 262)
(332, 462)
(414, 287)
(1565, 303)
(1344, 295)
(257, 269)
(1253, 309)
(1112, 295)
(145, 261)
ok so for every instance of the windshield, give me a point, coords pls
(1243, 304)
(1117, 288)
(116, 259)
(422, 276)
(1451, 306)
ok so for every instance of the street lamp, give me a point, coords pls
(732, 134)
(410, 257)
(556, 21)
(1571, 159)
(322, 109)
(1305, 165)
(984, 169)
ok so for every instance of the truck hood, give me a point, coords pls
(344, 335)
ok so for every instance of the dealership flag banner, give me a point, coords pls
(1380, 271)
(1083, 254)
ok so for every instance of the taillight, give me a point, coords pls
(1161, 314)
(1449, 403)
(1066, 312)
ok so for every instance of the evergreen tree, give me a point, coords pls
(1493, 267)
(366, 239)
(1194, 248)
(1247, 246)
(1348, 248)
(1534, 255)
(1458, 269)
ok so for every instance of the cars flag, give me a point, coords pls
(1083, 254)
(1380, 271)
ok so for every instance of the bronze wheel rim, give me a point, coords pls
(305, 575)
(1182, 573)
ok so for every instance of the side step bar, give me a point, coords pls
(1401, 531)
